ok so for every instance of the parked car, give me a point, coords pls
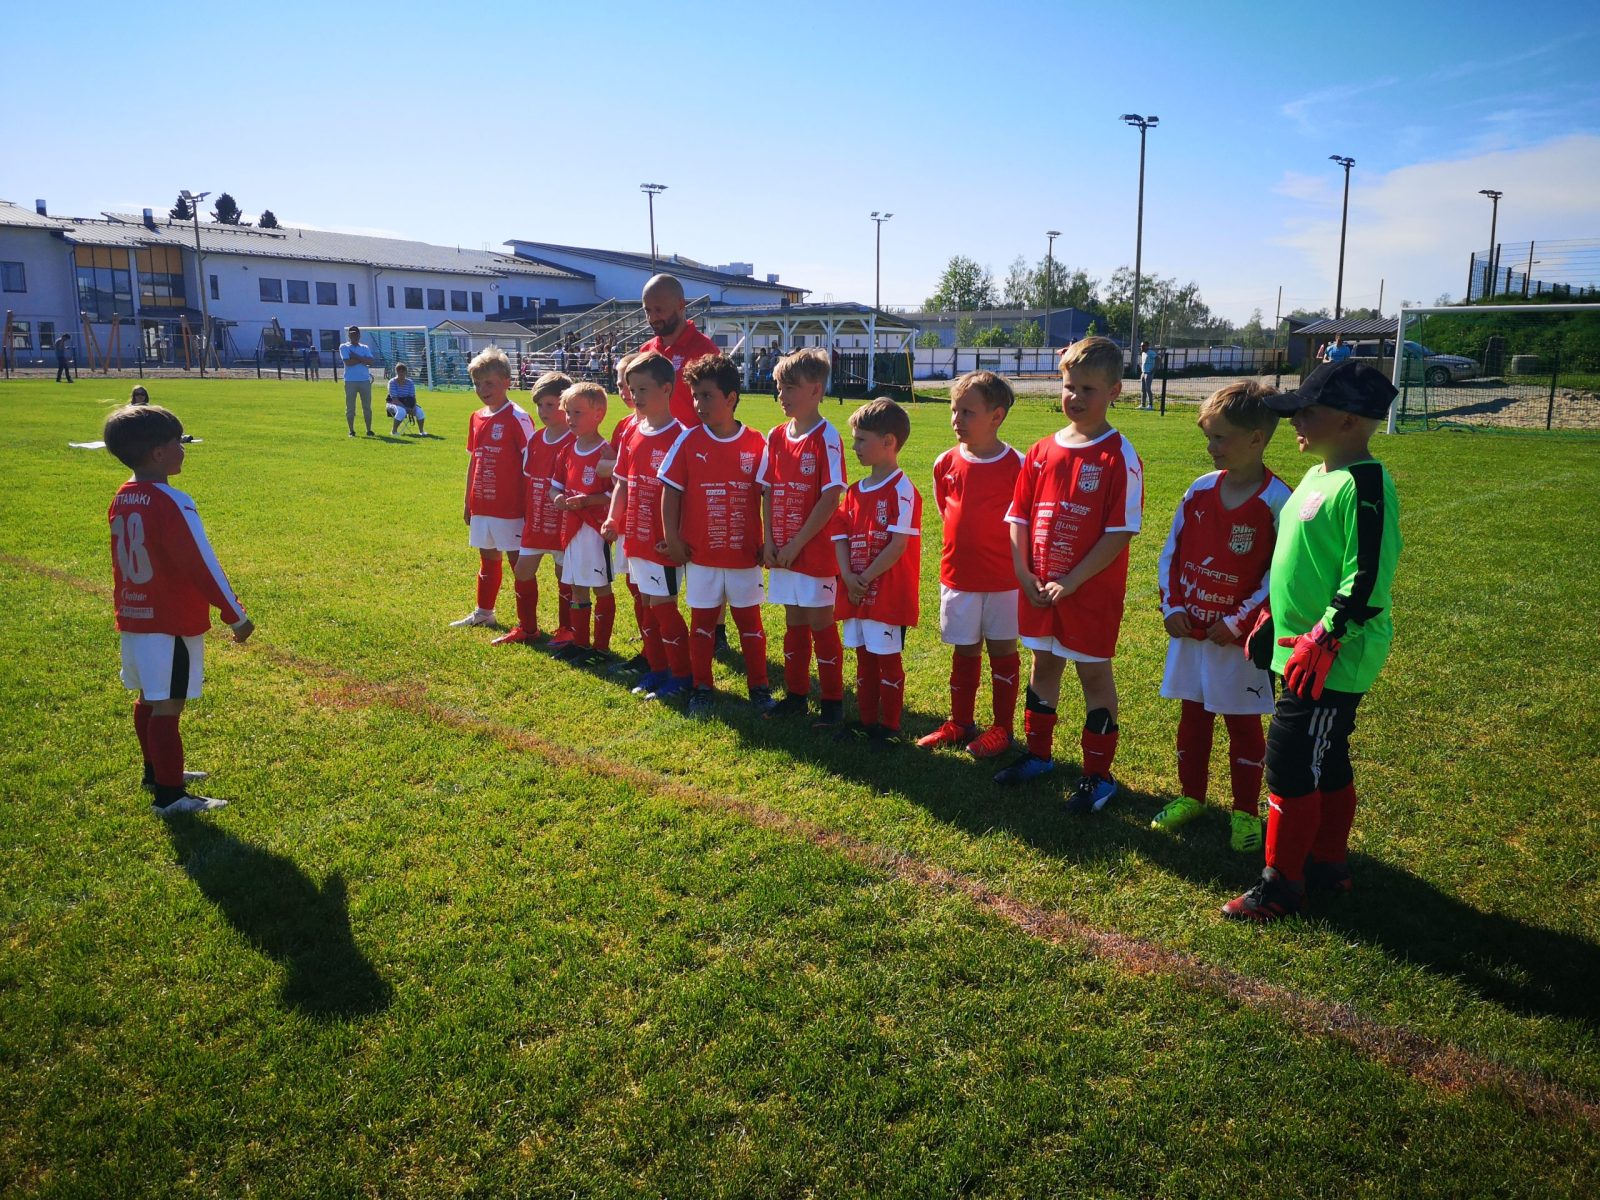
(1423, 365)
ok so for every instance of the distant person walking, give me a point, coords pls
(63, 363)
(358, 360)
(1147, 370)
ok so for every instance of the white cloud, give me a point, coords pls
(1311, 111)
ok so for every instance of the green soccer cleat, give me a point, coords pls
(1179, 813)
(1247, 833)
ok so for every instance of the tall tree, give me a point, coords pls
(1018, 290)
(227, 210)
(181, 210)
(964, 287)
(267, 220)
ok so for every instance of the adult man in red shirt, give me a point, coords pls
(676, 337)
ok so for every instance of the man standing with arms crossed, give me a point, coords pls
(358, 360)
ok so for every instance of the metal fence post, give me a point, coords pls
(1555, 372)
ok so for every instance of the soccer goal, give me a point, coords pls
(1505, 366)
(402, 344)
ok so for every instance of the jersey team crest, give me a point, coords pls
(1244, 536)
(808, 464)
(588, 477)
(497, 432)
(883, 512)
(1310, 507)
(747, 462)
(1089, 477)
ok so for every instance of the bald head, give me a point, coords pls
(664, 306)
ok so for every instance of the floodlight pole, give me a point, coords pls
(1344, 224)
(877, 270)
(1493, 269)
(1143, 125)
(200, 279)
(1049, 280)
(651, 190)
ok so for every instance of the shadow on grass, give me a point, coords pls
(287, 916)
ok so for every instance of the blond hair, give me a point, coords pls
(592, 392)
(1242, 404)
(550, 381)
(489, 361)
(1098, 354)
(992, 389)
(803, 366)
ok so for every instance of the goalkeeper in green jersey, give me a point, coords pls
(1326, 633)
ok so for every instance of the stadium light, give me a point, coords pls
(877, 272)
(1049, 280)
(1143, 125)
(651, 190)
(1344, 222)
(200, 277)
(1491, 273)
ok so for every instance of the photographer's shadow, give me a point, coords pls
(287, 916)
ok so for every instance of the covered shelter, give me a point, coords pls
(784, 323)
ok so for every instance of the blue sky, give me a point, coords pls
(777, 128)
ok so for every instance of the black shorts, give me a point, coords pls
(1308, 743)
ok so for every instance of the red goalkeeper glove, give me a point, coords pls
(1306, 672)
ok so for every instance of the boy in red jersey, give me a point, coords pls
(167, 581)
(972, 486)
(635, 517)
(541, 520)
(497, 443)
(711, 514)
(1078, 503)
(1214, 579)
(803, 476)
(638, 664)
(581, 491)
(877, 543)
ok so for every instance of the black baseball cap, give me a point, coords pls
(1352, 387)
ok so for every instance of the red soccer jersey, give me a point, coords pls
(720, 516)
(639, 465)
(542, 520)
(1069, 495)
(167, 578)
(691, 345)
(972, 495)
(581, 473)
(1214, 565)
(796, 471)
(497, 441)
(623, 429)
(867, 516)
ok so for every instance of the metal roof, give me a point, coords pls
(886, 321)
(1372, 326)
(676, 264)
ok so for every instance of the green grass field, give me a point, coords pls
(479, 924)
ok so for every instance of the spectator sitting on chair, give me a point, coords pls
(358, 360)
(403, 401)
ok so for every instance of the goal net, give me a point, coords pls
(1505, 366)
(394, 344)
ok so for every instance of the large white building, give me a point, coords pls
(135, 282)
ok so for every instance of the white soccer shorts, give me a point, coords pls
(967, 618)
(653, 578)
(163, 666)
(586, 562)
(803, 591)
(708, 587)
(495, 533)
(873, 636)
(1050, 645)
(399, 413)
(1219, 677)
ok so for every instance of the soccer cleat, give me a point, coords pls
(188, 804)
(558, 641)
(569, 652)
(761, 700)
(633, 666)
(881, 739)
(948, 734)
(188, 778)
(1090, 794)
(1027, 768)
(991, 743)
(1247, 832)
(675, 685)
(792, 705)
(702, 703)
(593, 658)
(1272, 899)
(478, 616)
(371, 434)
(1328, 878)
(1180, 812)
(831, 717)
(515, 636)
(649, 682)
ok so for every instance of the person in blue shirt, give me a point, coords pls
(1147, 370)
(403, 401)
(1337, 352)
(358, 360)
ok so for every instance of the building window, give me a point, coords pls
(214, 293)
(330, 341)
(105, 282)
(327, 293)
(352, 288)
(477, 301)
(436, 299)
(15, 277)
(271, 290)
(391, 295)
(300, 338)
(299, 291)
(47, 334)
(161, 283)
(413, 297)
(514, 303)
(458, 301)
(20, 336)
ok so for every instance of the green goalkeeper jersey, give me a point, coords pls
(1338, 543)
